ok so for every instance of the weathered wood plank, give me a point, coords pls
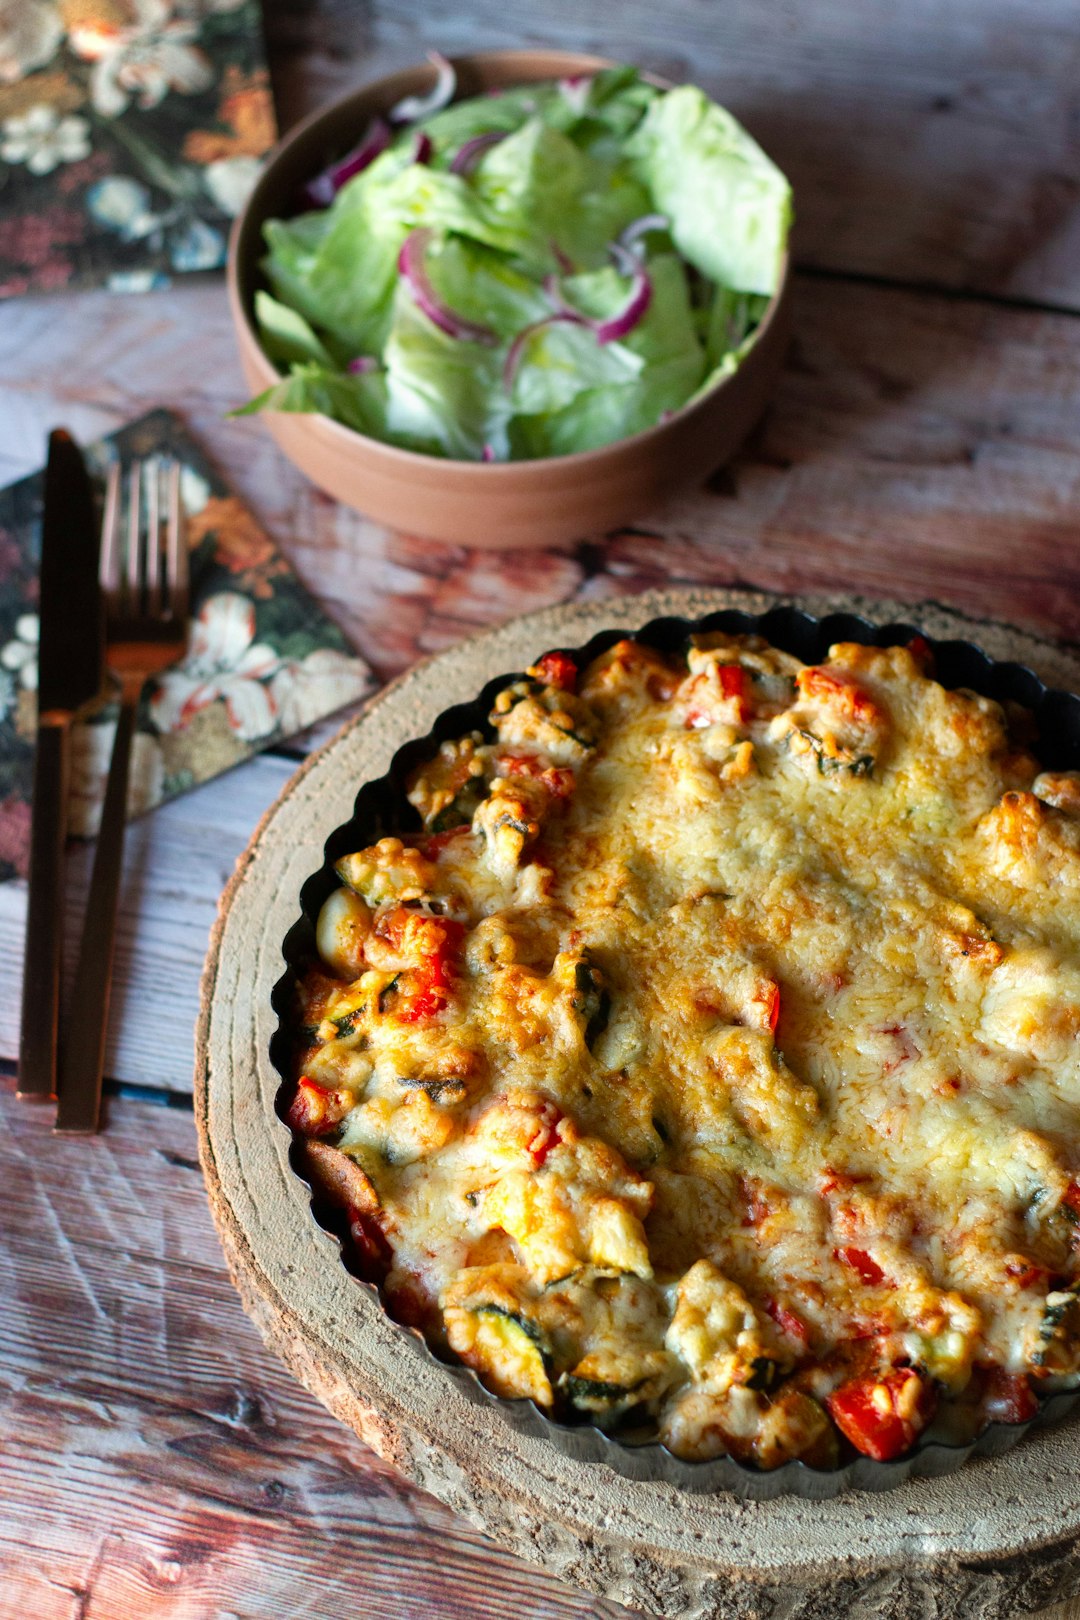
(917, 446)
(176, 863)
(158, 1463)
(926, 143)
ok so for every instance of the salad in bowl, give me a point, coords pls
(532, 272)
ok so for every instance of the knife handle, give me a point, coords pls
(44, 913)
(87, 1023)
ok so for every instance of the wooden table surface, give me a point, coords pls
(925, 442)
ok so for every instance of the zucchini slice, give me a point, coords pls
(592, 1000)
(507, 1350)
(1059, 1332)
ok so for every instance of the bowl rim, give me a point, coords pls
(240, 295)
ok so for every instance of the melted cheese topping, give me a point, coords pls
(713, 1057)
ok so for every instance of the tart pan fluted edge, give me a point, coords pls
(380, 807)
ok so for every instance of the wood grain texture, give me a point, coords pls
(926, 143)
(985, 1543)
(176, 862)
(157, 1463)
(918, 445)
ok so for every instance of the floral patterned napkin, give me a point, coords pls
(263, 660)
(130, 133)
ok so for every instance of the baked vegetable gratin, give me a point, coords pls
(708, 1065)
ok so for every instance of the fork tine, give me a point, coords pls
(153, 536)
(109, 568)
(134, 572)
(176, 548)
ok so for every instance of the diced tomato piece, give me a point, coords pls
(1070, 1203)
(839, 691)
(557, 669)
(732, 678)
(433, 942)
(923, 654)
(864, 1264)
(558, 779)
(420, 999)
(1026, 1273)
(371, 1243)
(545, 1135)
(1008, 1397)
(788, 1322)
(315, 1109)
(882, 1414)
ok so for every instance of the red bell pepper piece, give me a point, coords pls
(787, 1321)
(314, 1109)
(557, 779)
(883, 1413)
(862, 1263)
(556, 669)
(840, 691)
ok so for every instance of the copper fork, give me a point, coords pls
(144, 583)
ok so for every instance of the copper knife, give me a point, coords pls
(70, 673)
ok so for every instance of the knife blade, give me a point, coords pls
(70, 671)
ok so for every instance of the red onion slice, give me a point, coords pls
(575, 90)
(421, 148)
(410, 108)
(640, 297)
(553, 288)
(625, 319)
(487, 453)
(641, 227)
(414, 273)
(362, 363)
(470, 153)
(321, 191)
(517, 348)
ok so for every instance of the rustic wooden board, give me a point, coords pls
(156, 1463)
(990, 1541)
(926, 143)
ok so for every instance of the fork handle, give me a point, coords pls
(44, 913)
(83, 1052)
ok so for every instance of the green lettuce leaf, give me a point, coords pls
(662, 361)
(445, 389)
(356, 401)
(577, 164)
(729, 206)
(286, 335)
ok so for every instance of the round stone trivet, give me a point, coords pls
(994, 1540)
